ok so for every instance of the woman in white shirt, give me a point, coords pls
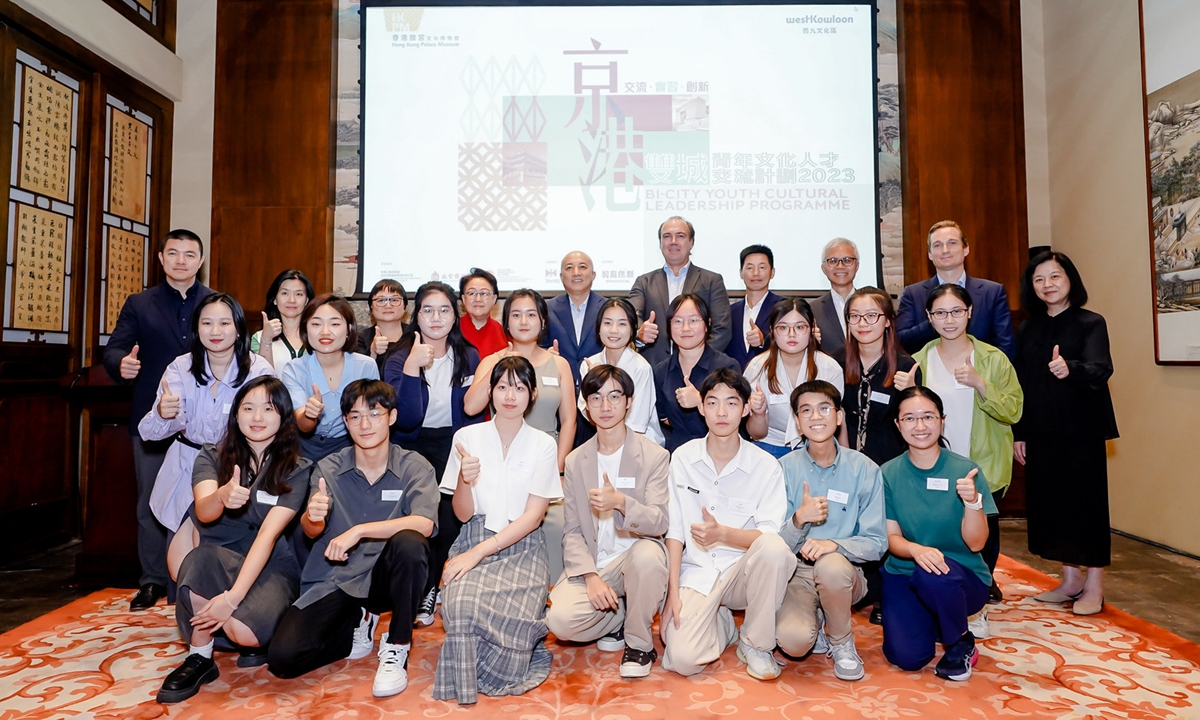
(615, 326)
(503, 474)
(792, 359)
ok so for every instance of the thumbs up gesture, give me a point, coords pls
(648, 332)
(380, 344)
(812, 509)
(687, 396)
(902, 380)
(966, 375)
(607, 497)
(554, 348)
(319, 503)
(1058, 366)
(421, 354)
(168, 402)
(758, 400)
(314, 407)
(468, 465)
(233, 494)
(754, 336)
(509, 351)
(708, 532)
(966, 487)
(271, 329)
(130, 365)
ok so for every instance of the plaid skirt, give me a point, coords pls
(494, 618)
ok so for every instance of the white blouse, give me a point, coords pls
(781, 424)
(643, 414)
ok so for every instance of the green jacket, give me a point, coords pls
(992, 421)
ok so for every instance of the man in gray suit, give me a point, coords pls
(839, 262)
(653, 292)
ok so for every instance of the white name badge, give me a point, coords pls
(741, 507)
(468, 380)
(777, 399)
(266, 498)
(838, 496)
(392, 495)
(550, 381)
(625, 482)
(880, 397)
(937, 484)
(225, 408)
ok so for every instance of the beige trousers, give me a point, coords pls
(833, 584)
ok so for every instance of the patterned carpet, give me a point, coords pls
(94, 659)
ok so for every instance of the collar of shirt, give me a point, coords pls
(839, 302)
(837, 458)
(740, 461)
(704, 364)
(672, 276)
(172, 292)
(962, 280)
(346, 463)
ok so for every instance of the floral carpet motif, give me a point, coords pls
(94, 659)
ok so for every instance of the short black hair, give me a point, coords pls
(343, 307)
(389, 284)
(726, 376)
(519, 369)
(599, 375)
(954, 289)
(481, 274)
(757, 250)
(539, 303)
(372, 393)
(1032, 304)
(816, 386)
(699, 302)
(181, 234)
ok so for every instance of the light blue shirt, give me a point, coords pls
(577, 314)
(853, 485)
(299, 375)
(962, 281)
(675, 282)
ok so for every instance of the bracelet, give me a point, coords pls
(225, 597)
(497, 539)
(977, 504)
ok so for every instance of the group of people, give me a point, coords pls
(668, 455)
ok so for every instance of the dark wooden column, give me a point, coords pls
(273, 145)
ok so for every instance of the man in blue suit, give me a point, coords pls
(751, 334)
(991, 319)
(573, 320)
(151, 331)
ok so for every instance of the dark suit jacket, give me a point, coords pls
(832, 326)
(562, 329)
(649, 294)
(151, 321)
(991, 318)
(685, 423)
(737, 316)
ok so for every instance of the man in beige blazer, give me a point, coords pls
(616, 494)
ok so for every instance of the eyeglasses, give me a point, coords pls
(429, 311)
(912, 420)
(598, 399)
(869, 318)
(808, 411)
(943, 314)
(797, 329)
(356, 417)
(387, 300)
(477, 294)
(841, 261)
(690, 322)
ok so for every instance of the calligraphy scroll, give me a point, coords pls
(127, 170)
(45, 136)
(39, 274)
(126, 264)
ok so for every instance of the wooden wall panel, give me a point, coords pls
(963, 133)
(273, 145)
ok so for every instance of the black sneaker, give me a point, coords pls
(636, 664)
(613, 641)
(186, 680)
(959, 658)
(428, 607)
(251, 657)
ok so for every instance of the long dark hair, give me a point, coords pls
(272, 309)
(539, 302)
(1076, 297)
(630, 315)
(891, 347)
(783, 307)
(454, 340)
(280, 458)
(241, 344)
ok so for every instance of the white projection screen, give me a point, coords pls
(503, 137)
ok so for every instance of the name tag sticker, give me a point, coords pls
(838, 496)
(880, 397)
(625, 482)
(266, 498)
(777, 399)
(468, 380)
(741, 507)
(937, 484)
(225, 408)
(392, 495)
(550, 381)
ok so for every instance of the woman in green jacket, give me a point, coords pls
(982, 395)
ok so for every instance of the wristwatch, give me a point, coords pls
(977, 505)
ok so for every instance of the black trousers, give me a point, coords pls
(991, 549)
(321, 633)
(434, 444)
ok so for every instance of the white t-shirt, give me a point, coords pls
(781, 424)
(437, 413)
(748, 318)
(958, 401)
(610, 542)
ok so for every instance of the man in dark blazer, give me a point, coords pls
(991, 319)
(753, 336)
(573, 320)
(653, 292)
(839, 262)
(151, 331)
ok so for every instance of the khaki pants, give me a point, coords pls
(833, 584)
(639, 578)
(755, 583)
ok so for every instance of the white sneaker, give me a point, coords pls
(392, 676)
(847, 665)
(364, 636)
(978, 624)
(428, 606)
(760, 664)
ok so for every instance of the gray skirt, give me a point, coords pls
(210, 570)
(494, 618)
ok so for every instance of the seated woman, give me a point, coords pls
(280, 339)
(241, 578)
(791, 359)
(615, 326)
(192, 406)
(503, 474)
(936, 503)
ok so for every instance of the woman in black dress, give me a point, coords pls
(1063, 363)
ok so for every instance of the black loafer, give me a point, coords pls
(147, 596)
(877, 614)
(187, 679)
(251, 657)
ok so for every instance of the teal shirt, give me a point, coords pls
(933, 518)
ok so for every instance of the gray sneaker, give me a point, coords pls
(821, 646)
(847, 665)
